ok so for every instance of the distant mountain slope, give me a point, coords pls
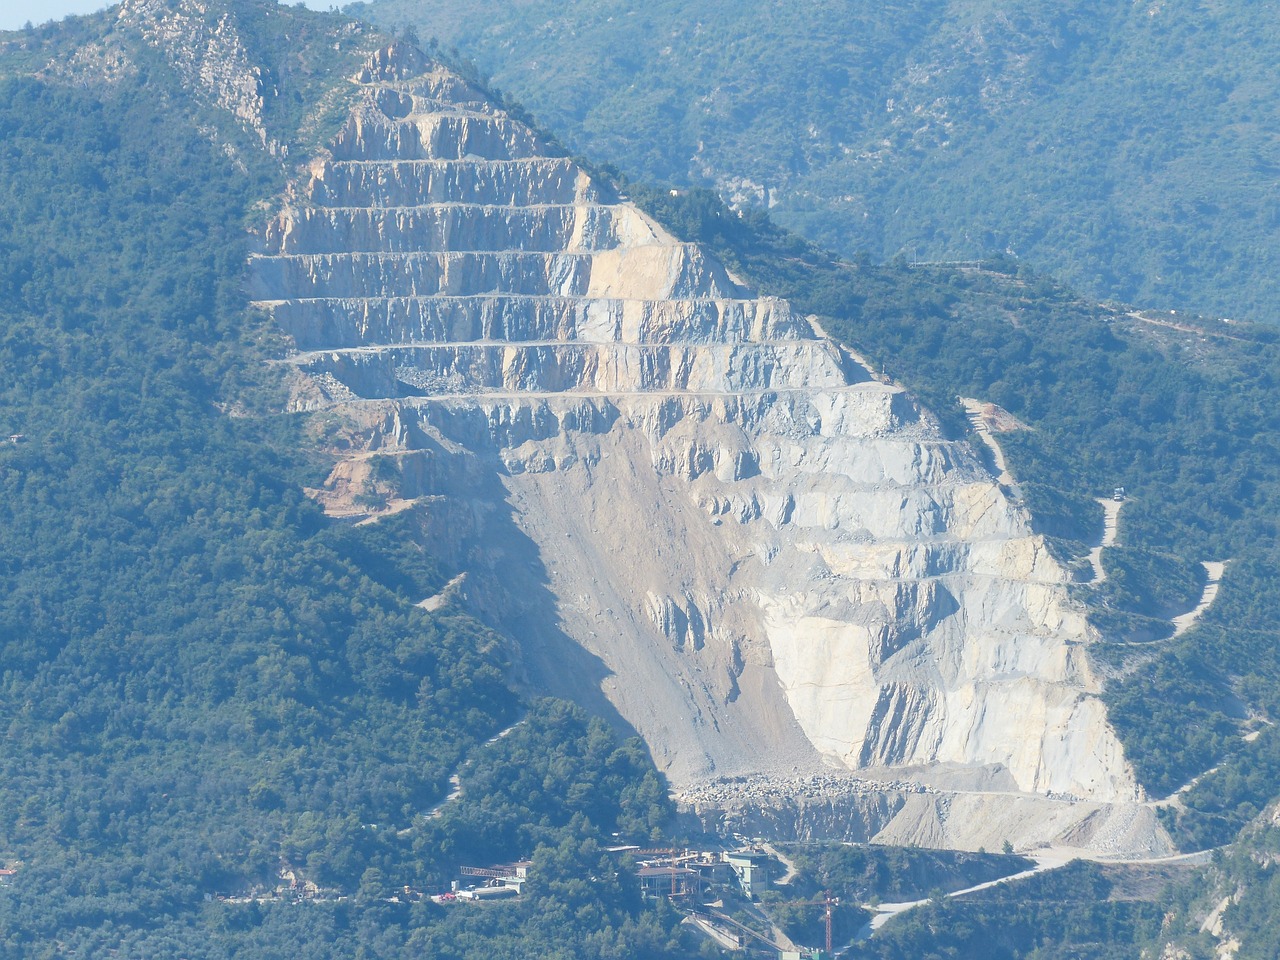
(1126, 148)
(1230, 909)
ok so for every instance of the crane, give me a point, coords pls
(827, 902)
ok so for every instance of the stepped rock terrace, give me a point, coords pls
(687, 507)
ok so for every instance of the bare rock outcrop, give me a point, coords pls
(686, 504)
(220, 53)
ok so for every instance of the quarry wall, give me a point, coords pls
(687, 507)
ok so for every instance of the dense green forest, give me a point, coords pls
(1124, 148)
(1067, 914)
(860, 874)
(204, 681)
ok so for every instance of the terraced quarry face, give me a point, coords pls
(680, 500)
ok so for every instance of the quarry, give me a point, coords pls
(684, 506)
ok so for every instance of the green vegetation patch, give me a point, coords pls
(868, 873)
(1065, 913)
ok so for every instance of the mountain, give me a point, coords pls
(1123, 148)
(349, 418)
(1231, 908)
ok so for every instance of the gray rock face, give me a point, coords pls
(683, 502)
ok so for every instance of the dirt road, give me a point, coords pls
(1110, 523)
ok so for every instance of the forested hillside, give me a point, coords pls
(209, 687)
(1236, 898)
(1124, 148)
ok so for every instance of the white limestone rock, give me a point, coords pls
(703, 514)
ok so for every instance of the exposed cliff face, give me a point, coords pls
(695, 504)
